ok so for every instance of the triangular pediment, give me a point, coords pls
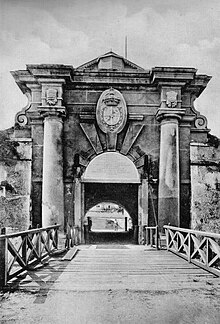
(110, 61)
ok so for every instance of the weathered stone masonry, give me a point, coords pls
(111, 105)
(205, 186)
(15, 180)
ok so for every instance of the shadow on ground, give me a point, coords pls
(111, 238)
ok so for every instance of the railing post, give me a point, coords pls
(207, 252)
(77, 235)
(73, 238)
(86, 233)
(68, 237)
(38, 241)
(72, 232)
(56, 238)
(151, 237)
(48, 240)
(189, 247)
(146, 236)
(3, 259)
(66, 241)
(24, 249)
(167, 238)
(156, 236)
(178, 241)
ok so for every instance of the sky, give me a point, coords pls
(160, 33)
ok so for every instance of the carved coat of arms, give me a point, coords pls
(111, 111)
(51, 96)
(171, 101)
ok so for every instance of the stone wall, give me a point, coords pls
(205, 187)
(15, 181)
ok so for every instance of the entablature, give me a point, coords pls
(47, 86)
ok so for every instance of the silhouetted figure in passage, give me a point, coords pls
(89, 224)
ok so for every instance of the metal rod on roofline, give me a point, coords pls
(126, 47)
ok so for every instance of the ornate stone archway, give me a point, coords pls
(77, 116)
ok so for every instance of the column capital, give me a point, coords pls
(59, 113)
(169, 114)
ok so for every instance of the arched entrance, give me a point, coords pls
(108, 222)
(111, 167)
(112, 177)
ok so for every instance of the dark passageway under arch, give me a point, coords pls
(125, 195)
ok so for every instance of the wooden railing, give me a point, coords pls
(72, 236)
(200, 248)
(22, 250)
(152, 236)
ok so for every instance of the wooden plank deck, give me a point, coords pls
(115, 284)
(131, 267)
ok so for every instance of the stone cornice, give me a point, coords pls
(165, 75)
(51, 81)
(199, 84)
(24, 79)
(158, 77)
(51, 71)
(48, 80)
(179, 77)
(38, 73)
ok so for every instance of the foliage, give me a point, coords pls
(8, 148)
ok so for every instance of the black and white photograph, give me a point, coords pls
(110, 161)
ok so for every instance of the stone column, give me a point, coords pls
(52, 188)
(169, 175)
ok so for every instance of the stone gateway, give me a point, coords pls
(110, 130)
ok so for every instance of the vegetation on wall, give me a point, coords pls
(14, 197)
(8, 148)
(213, 140)
(208, 211)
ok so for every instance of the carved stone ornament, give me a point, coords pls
(111, 111)
(201, 122)
(21, 117)
(171, 101)
(51, 96)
